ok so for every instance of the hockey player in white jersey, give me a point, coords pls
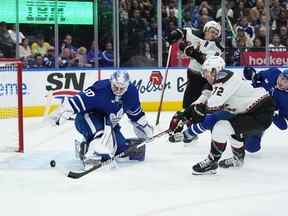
(252, 108)
(198, 50)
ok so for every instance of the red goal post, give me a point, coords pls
(11, 105)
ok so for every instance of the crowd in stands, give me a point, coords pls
(245, 26)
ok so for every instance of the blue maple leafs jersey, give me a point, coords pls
(268, 80)
(99, 98)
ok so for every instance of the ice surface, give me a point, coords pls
(160, 186)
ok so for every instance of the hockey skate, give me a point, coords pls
(236, 161)
(231, 162)
(176, 137)
(205, 167)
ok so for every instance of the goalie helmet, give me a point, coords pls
(119, 82)
(211, 68)
(214, 25)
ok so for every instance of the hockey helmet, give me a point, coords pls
(212, 25)
(212, 66)
(285, 73)
(282, 81)
(119, 82)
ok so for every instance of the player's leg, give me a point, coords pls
(253, 143)
(194, 87)
(207, 124)
(220, 134)
(91, 127)
(237, 160)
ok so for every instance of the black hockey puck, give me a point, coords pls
(52, 163)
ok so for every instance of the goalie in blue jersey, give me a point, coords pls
(98, 109)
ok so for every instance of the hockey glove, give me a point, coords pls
(177, 122)
(63, 113)
(196, 112)
(175, 35)
(249, 73)
(143, 129)
(195, 53)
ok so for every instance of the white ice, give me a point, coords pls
(161, 186)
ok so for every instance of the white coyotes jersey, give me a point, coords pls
(234, 94)
(207, 47)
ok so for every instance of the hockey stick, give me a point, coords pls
(164, 85)
(76, 175)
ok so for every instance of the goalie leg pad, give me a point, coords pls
(89, 124)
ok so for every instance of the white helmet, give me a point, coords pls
(119, 82)
(213, 64)
(214, 25)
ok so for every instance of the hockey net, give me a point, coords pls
(11, 105)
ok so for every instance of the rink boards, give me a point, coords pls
(43, 89)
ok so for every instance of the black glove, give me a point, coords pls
(195, 53)
(174, 36)
(249, 73)
(195, 113)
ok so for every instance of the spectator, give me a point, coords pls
(91, 55)
(276, 43)
(7, 46)
(242, 39)
(283, 34)
(80, 59)
(38, 61)
(49, 58)
(12, 33)
(24, 49)
(262, 34)
(107, 56)
(247, 27)
(67, 43)
(258, 44)
(40, 46)
(275, 10)
(65, 58)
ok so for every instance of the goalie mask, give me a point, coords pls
(211, 68)
(119, 82)
(212, 26)
(282, 81)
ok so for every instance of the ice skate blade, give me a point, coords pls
(210, 172)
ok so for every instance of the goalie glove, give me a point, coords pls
(143, 129)
(63, 113)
